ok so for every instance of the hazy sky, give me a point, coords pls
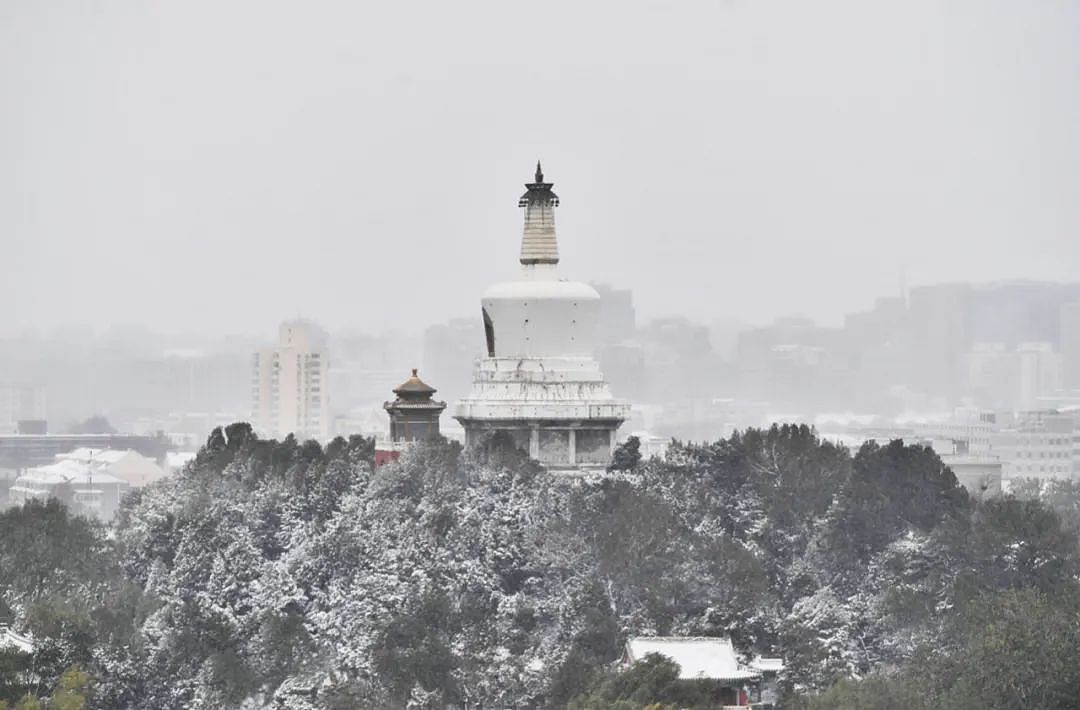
(226, 164)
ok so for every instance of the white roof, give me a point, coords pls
(697, 658)
(542, 288)
(66, 470)
(10, 639)
(767, 665)
(128, 465)
(177, 459)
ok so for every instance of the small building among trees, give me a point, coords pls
(414, 415)
(713, 665)
(78, 485)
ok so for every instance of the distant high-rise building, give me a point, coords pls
(792, 361)
(1038, 444)
(624, 366)
(289, 386)
(450, 352)
(940, 337)
(1015, 312)
(1039, 373)
(1070, 345)
(20, 403)
(616, 320)
(992, 373)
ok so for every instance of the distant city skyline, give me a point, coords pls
(253, 331)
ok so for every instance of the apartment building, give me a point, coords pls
(289, 385)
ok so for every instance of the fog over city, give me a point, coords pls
(599, 356)
(215, 167)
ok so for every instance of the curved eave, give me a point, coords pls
(399, 404)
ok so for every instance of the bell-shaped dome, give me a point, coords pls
(540, 315)
(540, 318)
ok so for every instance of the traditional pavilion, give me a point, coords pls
(538, 380)
(414, 415)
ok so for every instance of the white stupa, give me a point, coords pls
(539, 381)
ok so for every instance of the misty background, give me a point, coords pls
(835, 248)
(217, 167)
(769, 195)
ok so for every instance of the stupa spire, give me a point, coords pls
(538, 242)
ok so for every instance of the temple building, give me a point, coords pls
(414, 415)
(538, 380)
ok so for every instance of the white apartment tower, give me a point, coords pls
(289, 384)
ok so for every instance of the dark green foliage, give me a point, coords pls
(1009, 649)
(1014, 544)
(898, 692)
(16, 673)
(45, 551)
(626, 456)
(597, 643)
(283, 573)
(435, 466)
(633, 532)
(412, 650)
(766, 487)
(894, 488)
(62, 573)
(1017, 648)
(652, 682)
(572, 676)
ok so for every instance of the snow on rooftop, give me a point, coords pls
(178, 459)
(67, 471)
(110, 465)
(767, 665)
(10, 639)
(697, 657)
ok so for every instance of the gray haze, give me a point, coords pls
(221, 166)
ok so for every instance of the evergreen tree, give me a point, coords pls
(626, 456)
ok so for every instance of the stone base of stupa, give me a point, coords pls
(558, 410)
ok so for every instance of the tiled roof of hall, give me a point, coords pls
(712, 658)
(414, 386)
